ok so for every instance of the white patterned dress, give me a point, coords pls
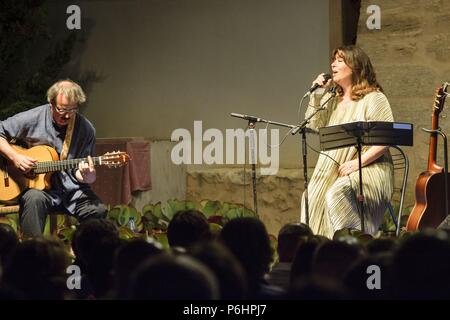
(332, 199)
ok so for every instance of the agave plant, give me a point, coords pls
(157, 216)
(221, 213)
(126, 217)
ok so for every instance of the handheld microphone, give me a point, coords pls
(326, 76)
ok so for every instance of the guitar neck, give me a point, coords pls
(433, 143)
(49, 166)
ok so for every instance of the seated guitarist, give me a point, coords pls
(59, 125)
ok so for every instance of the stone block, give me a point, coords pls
(439, 47)
(406, 80)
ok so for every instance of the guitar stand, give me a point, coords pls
(444, 137)
(402, 193)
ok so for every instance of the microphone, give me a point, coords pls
(327, 77)
(306, 129)
(247, 117)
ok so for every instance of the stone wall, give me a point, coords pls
(411, 54)
(278, 196)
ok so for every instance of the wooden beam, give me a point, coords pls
(336, 23)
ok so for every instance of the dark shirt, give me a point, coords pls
(37, 127)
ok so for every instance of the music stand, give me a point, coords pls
(357, 134)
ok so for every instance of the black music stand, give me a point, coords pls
(357, 134)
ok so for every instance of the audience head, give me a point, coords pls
(421, 267)
(94, 243)
(8, 243)
(290, 236)
(316, 288)
(37, 269)
(93, 235)
(332, 259)
(225, 266)
(128, 256)
(381, 245)
(169, 277)
(302, 263)
(248, 240)
(188, 228)
(369, 277)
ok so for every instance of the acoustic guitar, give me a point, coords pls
(13, 181)
(429, 208)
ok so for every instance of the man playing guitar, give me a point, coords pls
(58, 125)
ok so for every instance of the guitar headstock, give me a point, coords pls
(115, 159)
(439, 98)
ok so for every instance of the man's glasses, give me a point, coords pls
(65, 111)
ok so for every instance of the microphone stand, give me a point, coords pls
(303, 129)
(252, 120)
(251, 127)
(295, 129)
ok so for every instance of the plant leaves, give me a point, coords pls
(11, 221)
(212, 208)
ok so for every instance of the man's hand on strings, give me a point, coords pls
(86, 170)
(23, 162)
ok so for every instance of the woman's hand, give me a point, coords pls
(320, 80)
(371, 154)
(348, 167)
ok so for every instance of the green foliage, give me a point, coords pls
(158, 216)
(388, 225)
(64, 230)
(65, 234)
(213, 208)
(161, 238)
(128, 219)
(153, 217)
(273, 246)
(12, 220)
(153, 221)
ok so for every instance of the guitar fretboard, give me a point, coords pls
(49, 166)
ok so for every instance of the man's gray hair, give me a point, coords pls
(69, 88)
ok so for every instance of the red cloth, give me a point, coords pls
(116, 185)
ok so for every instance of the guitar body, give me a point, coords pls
(429, 209)
(13, 181)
